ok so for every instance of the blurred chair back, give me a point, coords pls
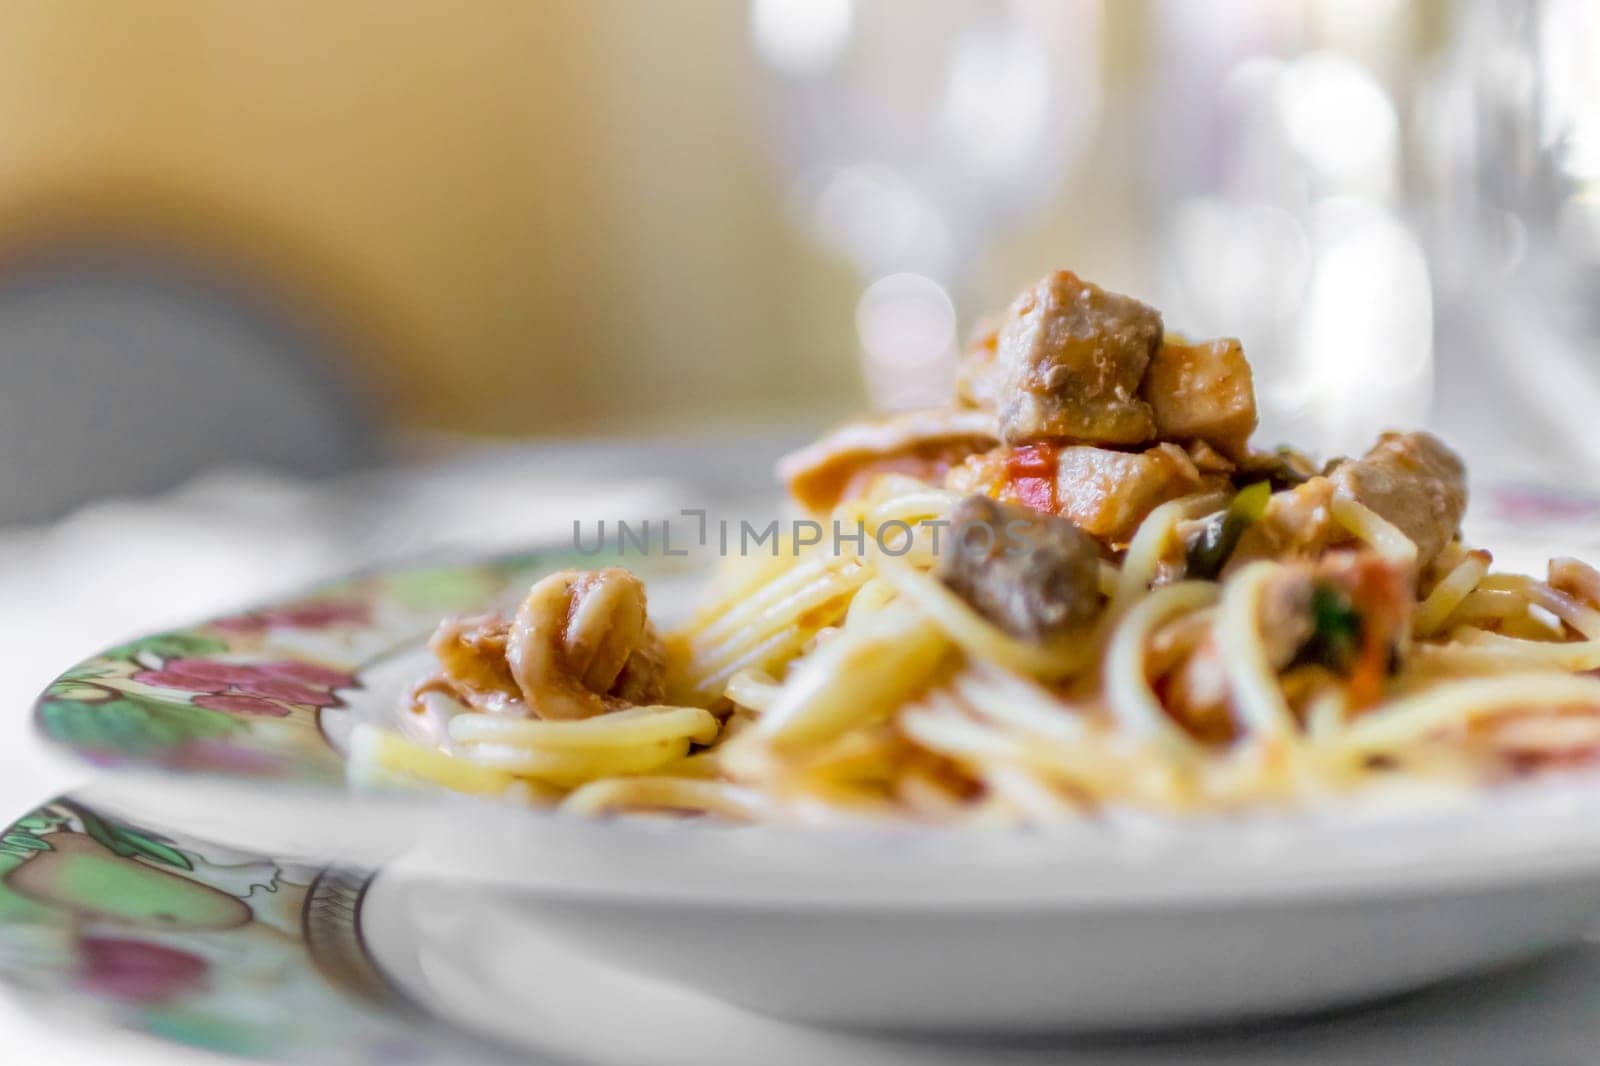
(122, 373)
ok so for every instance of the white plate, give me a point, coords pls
(330, 966)
(1118, 924)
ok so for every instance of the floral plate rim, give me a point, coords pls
(203, 943)
(248, 694)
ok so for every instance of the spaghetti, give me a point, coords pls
(1171, 622)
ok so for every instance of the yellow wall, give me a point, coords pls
(533, 217)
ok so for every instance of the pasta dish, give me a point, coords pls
(1077, 587)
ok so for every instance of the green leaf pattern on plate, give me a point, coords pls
(129, 842)
(168, 646)
(130, 724)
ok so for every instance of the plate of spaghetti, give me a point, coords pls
(1077, 588)
(1067, 669)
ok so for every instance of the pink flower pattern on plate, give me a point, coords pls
(1512, 502)
(267, 689)
(137, 971)
(311, 614)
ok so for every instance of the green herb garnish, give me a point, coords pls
(1335, 630)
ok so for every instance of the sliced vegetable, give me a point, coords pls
(1209, 551)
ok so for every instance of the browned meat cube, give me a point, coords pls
(1072, 356)
(1202, 392)
(1414, 482)
(1410, 480)
(1033, 575)
(1109, 493)
(921, 444)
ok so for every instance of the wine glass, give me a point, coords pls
(1276, 145)
(1509, 168)
(912, 133)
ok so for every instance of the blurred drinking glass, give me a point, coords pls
(1275, 147)
(1509, 168)
(914, 132)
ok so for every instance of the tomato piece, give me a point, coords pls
(1031, 472)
